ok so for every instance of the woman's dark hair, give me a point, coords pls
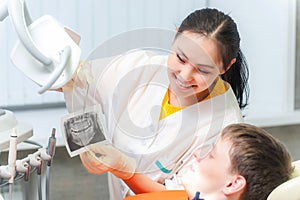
(221, 28)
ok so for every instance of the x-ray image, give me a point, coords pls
(82, 129)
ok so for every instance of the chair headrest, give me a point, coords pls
(289, 189)
(296, 171)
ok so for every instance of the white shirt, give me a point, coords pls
(131, 89)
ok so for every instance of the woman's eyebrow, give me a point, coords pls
(203, 65)
(197, 65)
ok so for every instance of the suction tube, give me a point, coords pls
(51, 152)
(39, 171)
(26, 178)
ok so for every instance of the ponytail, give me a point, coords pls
(237, 76)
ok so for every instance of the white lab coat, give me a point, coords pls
(131, 89)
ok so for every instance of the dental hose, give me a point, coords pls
(10, 191)
(47, 182)
(26, 178)
(39, 172)
(51, 152)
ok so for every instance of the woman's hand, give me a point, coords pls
(105, 158)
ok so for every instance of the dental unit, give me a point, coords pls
(13, 132)
(47, 52)
(26, 165)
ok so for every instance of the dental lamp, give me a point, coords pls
(3, 10)
(46, 52)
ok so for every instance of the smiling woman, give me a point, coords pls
(153, 102)
(193, 69)
(141, 118)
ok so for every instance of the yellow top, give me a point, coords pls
(168, 109)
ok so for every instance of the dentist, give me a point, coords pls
(159, 109)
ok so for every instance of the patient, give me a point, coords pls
(246, 163)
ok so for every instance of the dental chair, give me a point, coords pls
(289, 190)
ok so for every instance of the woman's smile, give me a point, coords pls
(181, 84)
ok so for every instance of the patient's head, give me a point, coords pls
(246, 163)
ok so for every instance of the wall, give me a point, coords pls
(267, 30)
(297, 66)
(96, 21)
(268, 40)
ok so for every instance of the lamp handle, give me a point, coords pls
(65, 54)
(3, 10)
(20, 18)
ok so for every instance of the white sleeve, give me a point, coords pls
(82, 90)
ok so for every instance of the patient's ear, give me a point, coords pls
(236, 185)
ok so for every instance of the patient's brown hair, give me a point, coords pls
(260, 158)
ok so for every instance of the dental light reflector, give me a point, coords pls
(53, 40)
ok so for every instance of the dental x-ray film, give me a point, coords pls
(81, 129)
